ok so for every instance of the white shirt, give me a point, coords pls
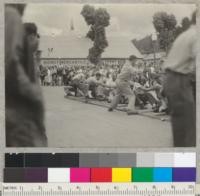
(111, 83)
(183, 53)
(127, 72)
(79, 77)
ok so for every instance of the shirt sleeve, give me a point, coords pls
(132, 70)
(183, 52)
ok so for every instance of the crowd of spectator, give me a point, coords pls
(100, 82)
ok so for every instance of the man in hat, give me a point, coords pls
(123, 86)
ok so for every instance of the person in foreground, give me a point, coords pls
(179, 87)
(24, 102)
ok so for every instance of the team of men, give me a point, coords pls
(121, 85)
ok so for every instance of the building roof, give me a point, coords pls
(120, 47)
(146, 45)
(73, 46)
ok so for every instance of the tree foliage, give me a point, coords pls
(167, 28)
(98, 20)
(185, 25)
(165, 25)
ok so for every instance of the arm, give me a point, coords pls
(147, 89)
(152, 88)
(107, 86)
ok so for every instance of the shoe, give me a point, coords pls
(156, 110)
(86, 99)
(142, 107)
(132, 112)
(110, 109)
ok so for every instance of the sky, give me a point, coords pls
(130, 20)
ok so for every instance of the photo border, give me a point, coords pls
(4, 149)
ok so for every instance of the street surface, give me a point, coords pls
(72, 123)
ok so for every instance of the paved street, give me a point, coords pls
(75, 124)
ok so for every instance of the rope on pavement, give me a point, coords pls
(147, 112)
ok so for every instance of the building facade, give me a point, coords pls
(72, 50)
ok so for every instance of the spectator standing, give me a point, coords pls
(180, 88)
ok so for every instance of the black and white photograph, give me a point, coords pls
(100, 75)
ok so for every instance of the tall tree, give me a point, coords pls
(165, 26)
(185, 23)
(98, 20)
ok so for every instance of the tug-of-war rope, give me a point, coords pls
(122, 108)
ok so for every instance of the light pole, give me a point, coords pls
(154, 39)
(50, 50)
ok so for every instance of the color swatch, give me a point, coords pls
(77, 175)
(184, 174)
(101, 174)
(121, 175)
(162, 175)
(15, 175)
(145, 159)
(58, 175)
(92, 160)
(36, 175)
(142, 174)
(100, 167)
(80, 175)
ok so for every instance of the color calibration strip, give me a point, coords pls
(81, 175)
(91, 160)
(100, 167)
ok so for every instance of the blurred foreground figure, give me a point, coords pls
(180, 88)
(24, 102)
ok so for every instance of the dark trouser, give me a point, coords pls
(146, 97)
(179, 89)
(123, 88)
(82, 87)
(93, 89)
